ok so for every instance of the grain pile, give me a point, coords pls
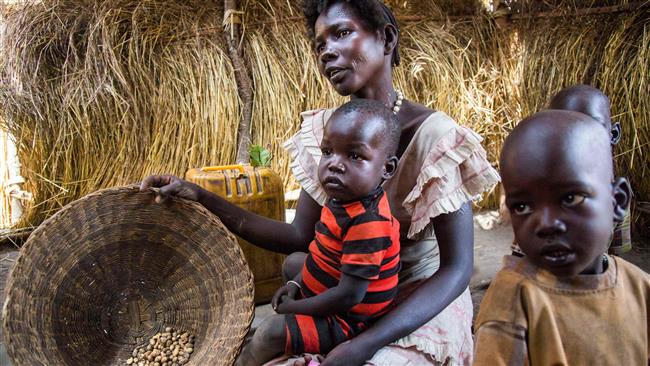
(169, 348)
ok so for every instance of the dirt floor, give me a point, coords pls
(8, 255)
(489, 247)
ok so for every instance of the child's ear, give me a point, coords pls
(390, 167)
(622, 194)
(390, 38)
(616, 133)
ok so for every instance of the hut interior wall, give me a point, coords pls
(102, 93)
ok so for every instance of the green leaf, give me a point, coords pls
(260, 157)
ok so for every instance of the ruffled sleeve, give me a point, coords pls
(455, 170)
(304, 152)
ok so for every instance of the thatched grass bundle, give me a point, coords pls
(286, 82)
(609, 52)
(100, 93)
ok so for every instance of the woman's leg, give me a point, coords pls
(292, 265)
(269, 341)
(444, 340)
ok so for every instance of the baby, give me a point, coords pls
(566, 302)
(350, 275)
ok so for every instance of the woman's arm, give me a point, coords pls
(263, 232)
(455, 234)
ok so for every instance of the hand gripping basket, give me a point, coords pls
(110, 270)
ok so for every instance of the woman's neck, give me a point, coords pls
(380, 89)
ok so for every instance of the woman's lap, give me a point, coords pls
(444, 340)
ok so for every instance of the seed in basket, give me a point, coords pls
(163, 350)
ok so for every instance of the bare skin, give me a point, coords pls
(563, 210)
(370, 52)
(356, 159)
(590, 101)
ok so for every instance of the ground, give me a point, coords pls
(8, 255)
(489, 247)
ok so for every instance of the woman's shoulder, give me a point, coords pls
(426, 115)
(438, 122)
(319, 115)
(312, 125)
(439, 131)
(304, 151)
(453, 169)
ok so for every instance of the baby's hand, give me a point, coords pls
(286, 306)
(284, 294)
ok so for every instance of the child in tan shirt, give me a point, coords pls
(566, 302)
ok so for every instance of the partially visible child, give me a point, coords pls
(566, 302)
(350, 275)
(592, 102)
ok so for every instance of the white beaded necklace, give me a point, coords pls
(398, 102)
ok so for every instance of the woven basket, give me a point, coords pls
(110, 270)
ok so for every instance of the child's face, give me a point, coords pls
(561, 200)
(354, 160)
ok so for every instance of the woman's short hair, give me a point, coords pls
(373, 13)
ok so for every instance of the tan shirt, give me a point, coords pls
(530, 317)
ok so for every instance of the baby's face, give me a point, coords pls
(353, 160)
(561, 202)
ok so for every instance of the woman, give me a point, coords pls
(442, 167)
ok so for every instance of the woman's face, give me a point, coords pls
(348, 55)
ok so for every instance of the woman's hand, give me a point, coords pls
(171, 186)
(307, 359)
(350, 353)
(284, 294)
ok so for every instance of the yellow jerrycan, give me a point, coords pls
(259, 190)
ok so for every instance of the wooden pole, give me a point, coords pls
(231, 21)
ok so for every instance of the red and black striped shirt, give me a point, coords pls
(359, 239)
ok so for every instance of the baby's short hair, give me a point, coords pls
(558, 131)
(391, 130)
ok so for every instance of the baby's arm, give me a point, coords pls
(366, 239)
(336, 300)
(500, 343)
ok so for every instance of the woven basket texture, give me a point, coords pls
(113, 268)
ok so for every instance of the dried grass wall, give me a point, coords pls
(610, 51)
(101, 93)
